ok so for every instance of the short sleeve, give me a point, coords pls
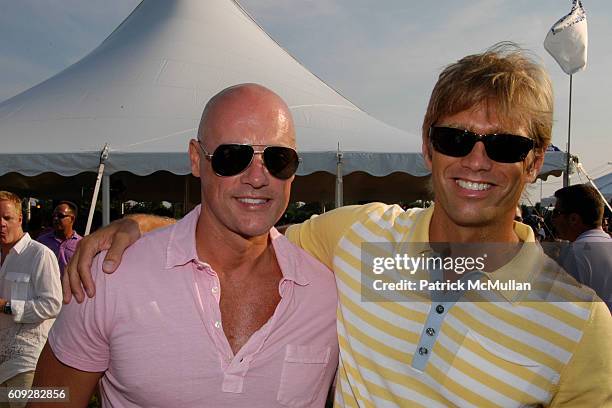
(79, 337)
(587, 379)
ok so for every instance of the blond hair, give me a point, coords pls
(504, 77)
(13, 198)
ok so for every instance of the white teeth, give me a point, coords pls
(252, 200)
(473, 186)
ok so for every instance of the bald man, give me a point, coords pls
(218, 309)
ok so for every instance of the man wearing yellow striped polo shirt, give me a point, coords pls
(487, 126)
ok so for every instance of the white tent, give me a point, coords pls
(604, 184)
(142, 92)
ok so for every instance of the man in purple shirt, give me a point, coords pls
(219, 309)
(63, 239)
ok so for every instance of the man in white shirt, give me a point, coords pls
(577, 217)
(30, 298)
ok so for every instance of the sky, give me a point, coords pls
(383, 55)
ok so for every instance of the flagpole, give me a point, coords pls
(566, 177)
(567, 41)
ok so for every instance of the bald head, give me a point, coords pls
(245, 106)
(249, 201)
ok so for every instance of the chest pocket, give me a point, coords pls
(525, 382)
(19, 284)
(302, 375)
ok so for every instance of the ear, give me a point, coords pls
(426, 150)
(575, 219)
(194, 157)
(533, 169)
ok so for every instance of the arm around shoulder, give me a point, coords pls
(147, 222)
(116, 238)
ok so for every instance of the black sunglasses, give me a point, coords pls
(503, 148)
(232, 159)
(61, 216)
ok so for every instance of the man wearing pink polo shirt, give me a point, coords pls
(218, 309)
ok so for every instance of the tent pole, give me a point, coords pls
(339, 182)
(105, 199)
(28, 210)
(94, 199)
(566, 177)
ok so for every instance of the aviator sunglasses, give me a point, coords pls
(233, 158)
(502, 148)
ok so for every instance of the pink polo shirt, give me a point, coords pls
(154, 327)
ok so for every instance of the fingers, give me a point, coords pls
(89, 248)
(71, 270)
(115, 252)
(127, 233)
(67, 294)
(77, 275)
(115, 237)
(81, 260)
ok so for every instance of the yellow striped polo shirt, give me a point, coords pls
(510, 353)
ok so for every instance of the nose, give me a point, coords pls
(477, 159)
(256, 175)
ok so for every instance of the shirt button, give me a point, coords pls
(423, 351)
(440, 309)
(215, 289)
(430, 331)
(218, 324)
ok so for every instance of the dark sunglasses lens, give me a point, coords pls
(281, 162)
(451, 142)
(507, 148)
(230, 159)
(61, 216)
(502, 148)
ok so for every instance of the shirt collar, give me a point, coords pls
(521, 268)
(288, 256)
(182, 248)
(74, 235)
(22, 243)
(524, 266)
(181, 245)
(420, 238)
(595, 232)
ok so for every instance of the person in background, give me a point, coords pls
(605, 226)
(30, 297)
(63, 239)
(577, 217)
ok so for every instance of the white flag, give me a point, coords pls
(567, 40)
